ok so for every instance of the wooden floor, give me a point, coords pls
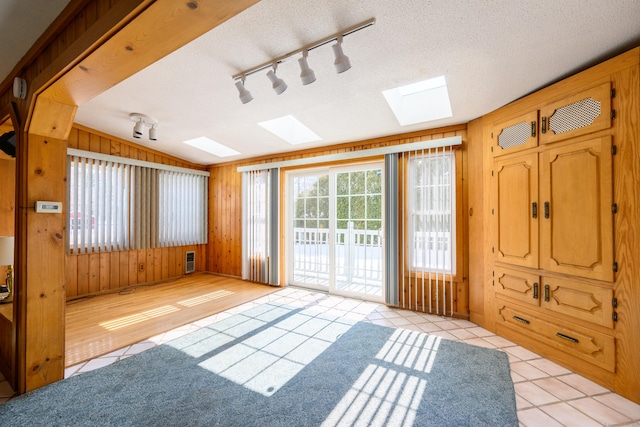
(102, 324)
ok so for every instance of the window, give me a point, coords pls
(117, 204)
(431, 209)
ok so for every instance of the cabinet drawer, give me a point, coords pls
(577, 299)
(588, 345)
(517, 285)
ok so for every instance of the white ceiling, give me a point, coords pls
(491, 52)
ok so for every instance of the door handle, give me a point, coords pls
(546, 293)
(534, 210)
(535, 290)
(546, 209)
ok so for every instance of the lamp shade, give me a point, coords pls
(306, 74)
(6, 250)
(244, 95)
(342, 62)
(278, 84)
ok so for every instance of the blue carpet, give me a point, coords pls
(276, 365)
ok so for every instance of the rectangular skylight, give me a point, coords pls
(210, 146)
(290, 130)
(419, 102)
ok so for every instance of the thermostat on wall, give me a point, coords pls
(49, 207)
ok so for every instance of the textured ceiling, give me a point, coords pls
(490, 52)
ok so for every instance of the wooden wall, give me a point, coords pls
(224, 255)
(89, 274)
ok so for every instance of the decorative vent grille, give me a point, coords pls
(189, 262)
(574, 116)
(514, 135)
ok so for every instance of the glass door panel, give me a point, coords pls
(335, 219)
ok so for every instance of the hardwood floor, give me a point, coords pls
(102, 324)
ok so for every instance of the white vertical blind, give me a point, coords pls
(123, 205)
(259, 226)
(428, 229)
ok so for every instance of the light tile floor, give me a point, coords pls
(546, 393)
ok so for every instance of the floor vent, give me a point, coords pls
(189, 262)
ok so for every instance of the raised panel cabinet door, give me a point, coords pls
(578, 299)
(576, 230)
(517, 285)
(582, 113)
(515, 210)
(515, 134)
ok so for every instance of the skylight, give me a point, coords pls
(420, 102)
(290, 130)
(210, 146)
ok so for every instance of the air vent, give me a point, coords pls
(189, 262)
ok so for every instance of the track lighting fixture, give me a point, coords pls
(307, 75)
(244, 95)
(277, 83)
(143, 120)
(153, 133)
(342, 62)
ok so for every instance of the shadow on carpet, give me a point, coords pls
(278, 365)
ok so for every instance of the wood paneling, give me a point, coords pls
(475, 214)
(91, 274)
(626, 193)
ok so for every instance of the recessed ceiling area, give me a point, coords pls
(488, 52)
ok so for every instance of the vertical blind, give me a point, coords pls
(427, 229)
(118, 204)
(260, 226)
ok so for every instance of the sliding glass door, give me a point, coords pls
(335, 235)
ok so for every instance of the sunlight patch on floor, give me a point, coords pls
(123, 322)
(192, 302)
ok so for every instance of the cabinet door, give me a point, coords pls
(583, 113)
(517, 285)
(576, 234)
(515, 192)
(577, 299)
(515, 134)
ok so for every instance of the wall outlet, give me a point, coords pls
(141, 267)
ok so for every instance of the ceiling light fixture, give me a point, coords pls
(143, 120)
(277, 83)
(307, 75)
(342, 62)
(244, 95)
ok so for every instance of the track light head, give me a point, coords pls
(244, 95)
(138, 129)
(306, 74)
(153, 133)
(277, 83)
(342, 62)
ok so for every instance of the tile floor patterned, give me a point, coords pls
(546, 394)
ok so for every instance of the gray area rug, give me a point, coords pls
(276, 365)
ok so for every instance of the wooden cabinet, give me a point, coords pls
(585, 112)
(515, 210)
(515, 134)
(576, 230)
(582, 113)
(553, 209)
(562, 223)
